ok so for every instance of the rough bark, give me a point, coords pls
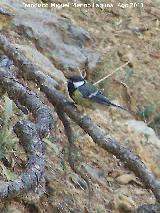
(132, 161)
(30, 135)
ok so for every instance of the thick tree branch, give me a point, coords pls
(131, 160)
(150, 208)
(59, 100)
(32, 72)
(29, 135)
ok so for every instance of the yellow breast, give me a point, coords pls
(77, 97)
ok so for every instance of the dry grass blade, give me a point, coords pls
(107, 76)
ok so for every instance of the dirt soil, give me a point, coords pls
(119, 35)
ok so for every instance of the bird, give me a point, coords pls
(86, 94)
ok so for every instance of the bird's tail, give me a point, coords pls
(118, 106)
(106, 101)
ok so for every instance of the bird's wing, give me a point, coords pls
(91, 92)
(87, 89)
(100, 98)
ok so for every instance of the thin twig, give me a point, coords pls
(71, 158)
(107, 76)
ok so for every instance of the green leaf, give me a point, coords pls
(148, 110)
(8, 110)
(11, 176)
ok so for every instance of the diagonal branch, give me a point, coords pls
(150, 208)
(132, 161)
(59, 100)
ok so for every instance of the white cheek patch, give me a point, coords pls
(78, 84)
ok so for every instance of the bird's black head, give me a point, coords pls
(75, 78)
(74, 82)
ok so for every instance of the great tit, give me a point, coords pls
(86, 94)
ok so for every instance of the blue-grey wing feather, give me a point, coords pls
(87, 89)
(91, 92)
(100, 98)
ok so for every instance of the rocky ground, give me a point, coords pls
(97, 41)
